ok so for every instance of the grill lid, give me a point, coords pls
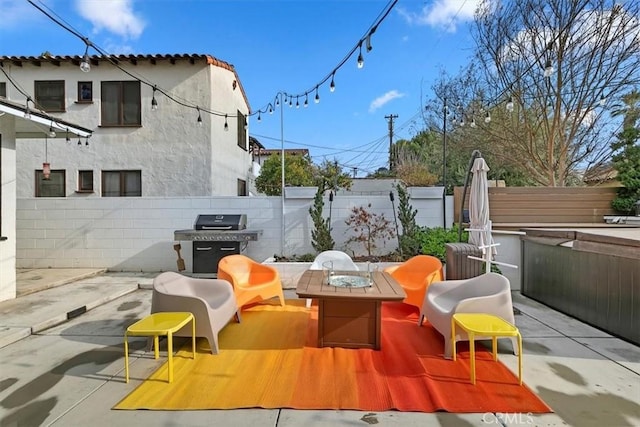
(221, 222)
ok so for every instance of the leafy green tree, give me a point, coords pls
(626, 158)
(330, 176)
(298, 172)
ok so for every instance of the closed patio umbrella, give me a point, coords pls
(479, 209)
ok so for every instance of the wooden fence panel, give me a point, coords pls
(545, 204)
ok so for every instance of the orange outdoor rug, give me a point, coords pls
(270, 360)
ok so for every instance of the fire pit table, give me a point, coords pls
(349, 315)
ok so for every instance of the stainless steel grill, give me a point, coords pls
(215, 236)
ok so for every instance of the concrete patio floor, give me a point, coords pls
(62, 364)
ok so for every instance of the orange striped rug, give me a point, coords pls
(270, 360)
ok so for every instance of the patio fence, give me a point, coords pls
(545, 205)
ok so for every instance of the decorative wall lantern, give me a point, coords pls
(46, 171)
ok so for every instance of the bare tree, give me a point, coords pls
(550, 67)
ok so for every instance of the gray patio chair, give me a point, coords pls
(211, 301)
(489, 293)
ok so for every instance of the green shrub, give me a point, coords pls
(432, 240)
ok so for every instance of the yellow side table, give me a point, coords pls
(480, 324)
(157, 324)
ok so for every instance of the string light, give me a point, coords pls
(260, 117)
(226, 124)
(297, 103)
(473, 122)
(79, 142)
(509, 105)
(487, 119)
(154, 103)
(270, 110)
(332, 86)
(199, 120)
(86, 142)
(68, 139)
(360, 58)
(85, 65)
(306, 99)
(548, 69)
(603, 101)
(317, 98)
(52, 133)
(27, 112)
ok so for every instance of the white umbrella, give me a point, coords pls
(480, 225)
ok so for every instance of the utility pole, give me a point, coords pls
(392, 160)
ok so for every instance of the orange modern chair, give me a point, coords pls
(415, 275)
(251, 281)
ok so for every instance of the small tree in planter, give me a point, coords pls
(369, 228)
(409, 244)
(321, 239)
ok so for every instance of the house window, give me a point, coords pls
(3, 89)
(242, 131)
(122, 183)
(120, 103)
(50, 95)
(85, 91)
(85, 181)
(242, 187)
(52, 187)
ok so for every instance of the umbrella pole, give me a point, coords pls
(474, 155)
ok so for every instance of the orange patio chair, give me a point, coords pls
(415, 275)
(252, 282)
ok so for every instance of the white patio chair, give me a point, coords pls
(341, 261)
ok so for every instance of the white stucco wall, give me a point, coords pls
(8, 208)
(176, 157)
(136, 234)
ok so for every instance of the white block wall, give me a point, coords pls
(136, 234)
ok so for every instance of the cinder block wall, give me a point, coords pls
(136, 233)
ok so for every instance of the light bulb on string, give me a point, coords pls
(317, 98)
(68, 139)
(245, 123)
(509, 105)
(290, 101)
(369, 47)
(52, 133)
(259, 117)
(154, 103)
(277, 101)
(86, 142)
(603, 101)
(360, 58)
(79, 142)
(487, 119)
(199, 120)
(306, 100)
(473, 122)
(548, 69)
(270, 109)
(332, 86)
(297, 103)
(85, 65)
(226, 124)
(27, 112)
(462, 121)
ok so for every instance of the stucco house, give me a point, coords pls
(163, 125)
(133, 125)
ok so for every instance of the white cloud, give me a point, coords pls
(446, 14)
(115, 16)
(384, 99)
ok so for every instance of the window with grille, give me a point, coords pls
(52, 187)
(85, 181)
(49, 95)
(123, 183)
(120, 103)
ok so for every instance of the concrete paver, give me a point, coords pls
(73, 374)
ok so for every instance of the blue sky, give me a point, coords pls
(280, 45)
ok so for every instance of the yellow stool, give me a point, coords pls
(485, 325)
(158, 324)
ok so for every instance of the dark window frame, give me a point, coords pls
(3, 89)
(50, 103)
(242, 131)
(85, 92)
(39, 180)
(85, 182)
(122, 105)
(242, 187)
(122, 182)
